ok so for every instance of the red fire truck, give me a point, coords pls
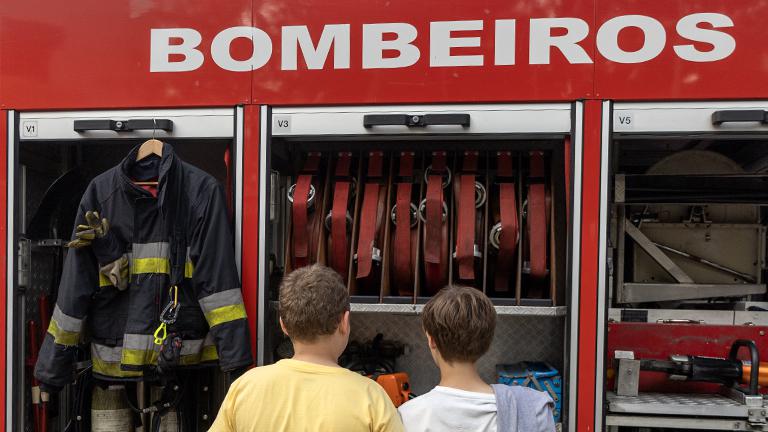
(634, 135)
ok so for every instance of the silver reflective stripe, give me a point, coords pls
(139, 342)
(189, 256)
(66, 322)
(209, 340)
(192, 346)
(106, 353)
(221, 299)
(151, 250)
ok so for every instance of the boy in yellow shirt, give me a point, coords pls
(310, 392)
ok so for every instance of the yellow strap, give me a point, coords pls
(161, 328)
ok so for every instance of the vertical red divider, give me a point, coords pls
(590, 235)
(250, 218)
(4, 364)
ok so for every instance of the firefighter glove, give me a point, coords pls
(117, 272)
(95, 227)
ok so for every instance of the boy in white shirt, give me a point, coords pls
(459, 323)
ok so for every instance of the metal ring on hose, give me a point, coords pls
(310, 198)
(476, 252)
(448, 176)
(480, 194)
(495, 236)
(393, 215)
(375, 255)
(328, 219)
(423, 211)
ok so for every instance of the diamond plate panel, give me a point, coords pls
(711, 405)
(517, 338)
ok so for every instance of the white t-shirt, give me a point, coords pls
(449, 409)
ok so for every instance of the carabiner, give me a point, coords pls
(161, 328)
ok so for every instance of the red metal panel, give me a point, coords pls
(590, 230)
(89, 54)
(421, 83)
(667, 76)
(659, 341)
(250, 230)
(4, 363)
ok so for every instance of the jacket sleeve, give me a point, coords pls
(216, 281)
(79, 280)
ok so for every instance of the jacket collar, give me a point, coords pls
(168, 174)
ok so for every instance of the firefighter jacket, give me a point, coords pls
(183, 231)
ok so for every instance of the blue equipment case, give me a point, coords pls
(536, 375)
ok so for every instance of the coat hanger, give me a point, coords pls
(150, 147)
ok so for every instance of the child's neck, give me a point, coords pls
(319, 353)
(462, 376)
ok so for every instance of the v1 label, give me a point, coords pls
(29, 129)
(281, 124)
(623, 120)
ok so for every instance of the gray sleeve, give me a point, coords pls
(536, 408)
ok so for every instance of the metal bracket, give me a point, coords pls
(24, 262)
(628, 377)
(656, 253)
(757, 416)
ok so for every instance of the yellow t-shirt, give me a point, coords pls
(297, 396)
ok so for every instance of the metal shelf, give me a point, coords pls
(728, 411)
(415, 309)
(693, 423)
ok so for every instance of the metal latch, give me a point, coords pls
(123, 125)
(415, 120)
(728, 116)
(24, 262)
(757, 416)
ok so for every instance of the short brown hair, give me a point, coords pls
(461, 321)
(312, 302)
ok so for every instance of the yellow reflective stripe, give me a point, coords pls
(63, 337)
(225, 314)
(111, 369)
(209, 353)
(150, 265)
(154, 265)
(134, 357)
(104, 281)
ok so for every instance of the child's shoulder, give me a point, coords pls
(420, 403)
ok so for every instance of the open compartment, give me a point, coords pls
(55, 158)
(407, 213)
(687, 240)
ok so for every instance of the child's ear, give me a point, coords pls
(430, 341)
(344, 326)
(282, 327)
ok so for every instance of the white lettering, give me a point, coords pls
(504, 46)
(568, 44)
(262, 49)
(441, 42)
(160, 50)
(336, 35)
(722, 43)
(374, 46)
(653, 44)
